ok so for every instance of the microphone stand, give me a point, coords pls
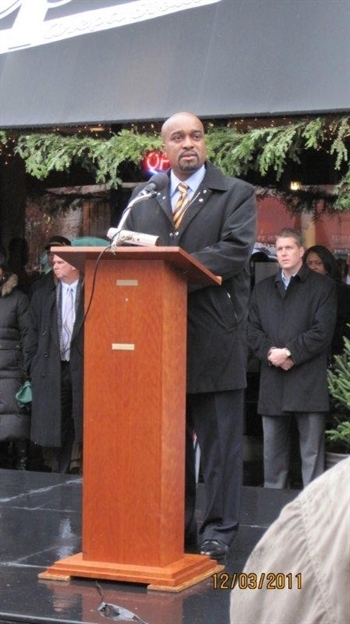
(121, 237)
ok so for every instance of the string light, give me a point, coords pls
(241, 124)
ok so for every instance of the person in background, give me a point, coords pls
(213, 218)
(48, 277)
(17, 260)
(320, 259)
(347, 275)
(343, 268)
(14, 421)
(344, 264)
(54, 360)
(299, 571)
(291, 324)
(255, 259)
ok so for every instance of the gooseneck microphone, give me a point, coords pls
(157, 183)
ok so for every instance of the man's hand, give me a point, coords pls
(281, 358)
(288, 364)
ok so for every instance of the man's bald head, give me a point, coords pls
(184, 144)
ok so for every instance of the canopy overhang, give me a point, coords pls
(70, 62)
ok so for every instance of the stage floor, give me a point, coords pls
(40, 523)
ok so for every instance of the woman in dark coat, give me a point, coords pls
(14, 421)
(320, 259)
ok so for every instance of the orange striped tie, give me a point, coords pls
(181, 204)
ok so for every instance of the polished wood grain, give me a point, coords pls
(134, 423)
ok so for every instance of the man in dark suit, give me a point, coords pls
(291, 324)
(54, 360)
(213, 219)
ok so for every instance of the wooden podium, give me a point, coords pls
(134, 418)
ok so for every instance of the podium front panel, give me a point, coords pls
(134, 412)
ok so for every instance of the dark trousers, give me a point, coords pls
(59, 458)
(217, 419)
(311, 427)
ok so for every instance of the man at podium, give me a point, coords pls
(213, 218)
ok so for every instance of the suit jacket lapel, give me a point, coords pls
(199, 199)
(163, 200)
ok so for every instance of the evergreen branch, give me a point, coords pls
(339, 389)
(236, 152)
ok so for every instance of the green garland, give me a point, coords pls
(235, 151)
(339, 389)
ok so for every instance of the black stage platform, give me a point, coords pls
(40, 523)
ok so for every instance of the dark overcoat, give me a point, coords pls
(218, 229)
(14, 421)
(301, 318)
(43, 362)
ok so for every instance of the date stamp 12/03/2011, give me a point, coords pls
(268, 580)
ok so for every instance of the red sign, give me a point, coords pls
(155, 162)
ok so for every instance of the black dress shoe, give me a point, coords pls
(214, 548)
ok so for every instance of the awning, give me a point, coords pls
(107, 61)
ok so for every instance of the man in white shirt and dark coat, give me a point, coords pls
(291, 324)
(54, 360)
(213, 218)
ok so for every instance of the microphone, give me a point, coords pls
(157, 183)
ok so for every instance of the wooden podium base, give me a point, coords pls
(176, 577)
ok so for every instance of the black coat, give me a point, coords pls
(43, 361)
(14, 422)
(302, 318)
(342, 327)
(219, 230)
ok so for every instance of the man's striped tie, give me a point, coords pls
(181, 204)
